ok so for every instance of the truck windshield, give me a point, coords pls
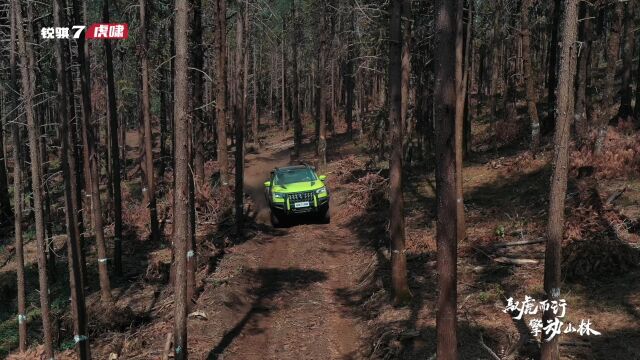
(285, 177)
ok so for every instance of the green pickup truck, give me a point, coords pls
(294, 190)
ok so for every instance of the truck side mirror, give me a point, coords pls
(322, 177)
(267, 184)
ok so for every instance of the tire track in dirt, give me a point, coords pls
(295, 313)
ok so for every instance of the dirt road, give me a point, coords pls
(285, 306)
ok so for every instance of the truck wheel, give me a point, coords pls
(325, 216)
(275, 220)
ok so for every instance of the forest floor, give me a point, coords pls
(318, 291)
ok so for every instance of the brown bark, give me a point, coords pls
(239, 116)
(221, 89)
(85, 208)
(115, 156)
(28, 83)
(75, 280)
(197, 119)
(628, 48)
(552, 80)
(529, 79)
(560, 166)
(181, 236)
(283, 65)
(5, 203)
(349, 81)
(297, 122)
(582, 76)
(17, 189)
(148, 133)
(446, 237)
(608, 100)
(396, 200)
(461, 80)
(406, 72)
(255, 119)
(322, 93)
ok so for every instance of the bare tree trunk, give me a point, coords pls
(446, 237)
(560, 166)
(28, 84)
(75, 278)
(17, 188)
(239, 115)
(350, 77)
(582, 77)
(552, 81)
(322, 92)
(148, 132)
(5, 203)
(115, 157)
(529, 79)
(628, 48)
(221, 91)
(297, 122)
(461, 80)
(197, 96)
(406, 73)
(396, 200)
(283, 65)
(181, 192)
(608, 101)
(255, 116)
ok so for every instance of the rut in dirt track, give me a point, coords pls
(295, 274)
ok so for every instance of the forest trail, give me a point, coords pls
(295, 276)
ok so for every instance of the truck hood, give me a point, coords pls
(298, 187)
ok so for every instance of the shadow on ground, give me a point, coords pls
(271, 282)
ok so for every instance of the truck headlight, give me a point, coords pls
(322, 190)
(278, 195)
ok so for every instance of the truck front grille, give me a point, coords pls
(302, 196)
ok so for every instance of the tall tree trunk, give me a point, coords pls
(254, 113)
(181, 192)
(406, 73)
(148, 132)
(628, 48)
(446, 237)
(396, 200)
(582, 77)
(495, 65)
(28, 84)
(322, 92)
(608, 101)
(83, 53)
(461, 61)
(636, 109)
(297, 122)
(198, 110)
(529, 79)
(552, 81)
(115, 157)
(17, 187)
(560, 166)
(5, 203)
(239, 115)
(75, 279)
(349, 81)
(283, 65)
(221, 91)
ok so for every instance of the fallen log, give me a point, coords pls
(519, 243)
(515, 261)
